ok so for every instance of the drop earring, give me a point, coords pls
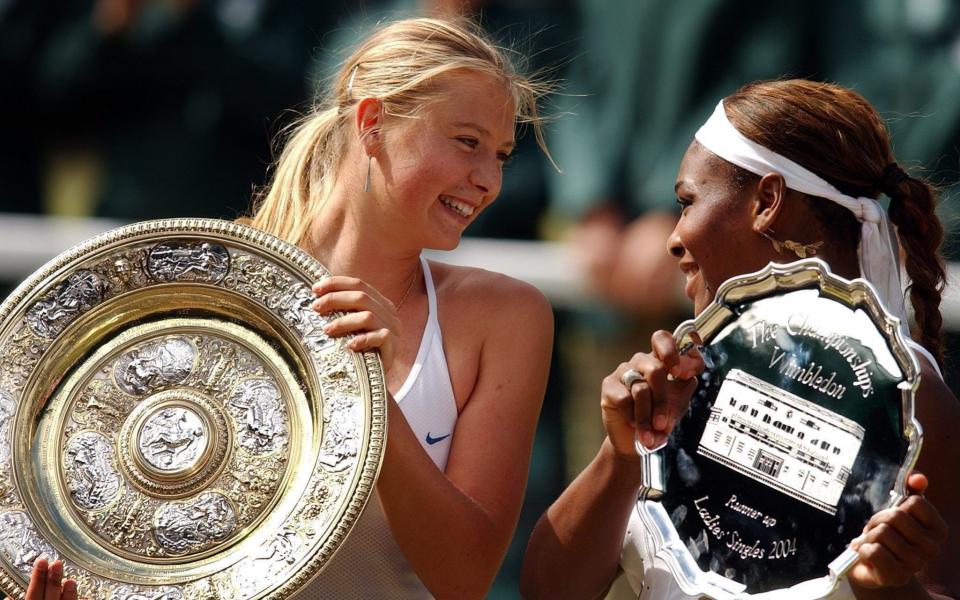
(801, 250)
(366, 184)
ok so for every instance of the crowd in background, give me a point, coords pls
(138, 109)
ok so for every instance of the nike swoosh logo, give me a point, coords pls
(434, 440)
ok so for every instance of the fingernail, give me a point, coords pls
(660, 422)
(647, 439)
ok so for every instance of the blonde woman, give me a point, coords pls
(406, 151)
(402, 154)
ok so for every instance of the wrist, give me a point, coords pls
(628, 467)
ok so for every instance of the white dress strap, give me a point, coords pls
(919, 349)
(431, 331)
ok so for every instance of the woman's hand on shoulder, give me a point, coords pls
(370, 317)
(651, 399)
(897, 543)
(47, 583)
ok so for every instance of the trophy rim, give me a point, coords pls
(304, 269)
(802, 274)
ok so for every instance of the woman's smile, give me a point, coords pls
(458, 206)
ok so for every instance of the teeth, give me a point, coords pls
(461, 208)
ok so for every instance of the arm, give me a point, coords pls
(455, 528)
(581, 534)
(913, 538)
(574, 550)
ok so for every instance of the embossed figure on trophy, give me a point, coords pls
(263, 423)
(340, 440)
(172, 438)
(19, 542)
(191, 527)
(91, 476)
(282, 550)
(79, 293)
(7, 410)
(128, 592)
(100, 406)
(130, 270)
(219, 360)
(181, 261)
(155, 365)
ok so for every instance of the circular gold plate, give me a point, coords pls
(174, 423)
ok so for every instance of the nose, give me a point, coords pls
(674, 245)
(487, 176)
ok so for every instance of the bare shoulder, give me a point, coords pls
(497, 334)
(491, 297)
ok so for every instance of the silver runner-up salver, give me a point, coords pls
(174, 423)
(802, 427)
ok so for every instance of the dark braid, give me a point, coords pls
(912, 208)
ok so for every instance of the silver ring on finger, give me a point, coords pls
(630, 377)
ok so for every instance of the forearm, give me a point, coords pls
(575, 548)
(453, 544)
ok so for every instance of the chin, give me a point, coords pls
(698, 307)
(445, 245)
(701, 302)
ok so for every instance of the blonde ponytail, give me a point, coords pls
(302, 177)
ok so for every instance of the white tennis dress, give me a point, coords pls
(370, 564)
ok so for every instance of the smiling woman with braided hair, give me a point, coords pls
(783, 169)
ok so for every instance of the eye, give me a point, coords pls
(469, 142)
(684, 203)
(505, 158)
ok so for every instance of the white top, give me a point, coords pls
(647, 576)
(370, 564)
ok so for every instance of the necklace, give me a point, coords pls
(409, 287)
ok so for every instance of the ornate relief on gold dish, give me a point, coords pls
(174, 423)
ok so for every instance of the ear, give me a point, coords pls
(369, 124)
(768, 201)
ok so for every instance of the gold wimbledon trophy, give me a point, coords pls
(174, 423)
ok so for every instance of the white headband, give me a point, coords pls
(879, 262)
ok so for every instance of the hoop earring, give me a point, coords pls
(801, 250)
(366, 184)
